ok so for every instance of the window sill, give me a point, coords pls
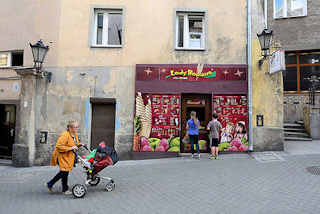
(190, 49)
(296, 92)
(289, 17)
(106, 46)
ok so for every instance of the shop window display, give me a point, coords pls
(157, 123)
(233, 115)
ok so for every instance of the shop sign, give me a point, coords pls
(191, 72)
(196, 102)
(277, 62)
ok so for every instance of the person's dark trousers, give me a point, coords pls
(63, 175)
(194, 140)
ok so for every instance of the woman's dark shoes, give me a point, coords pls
(49, 188)
(68, 192)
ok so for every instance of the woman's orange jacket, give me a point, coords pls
(62, 154)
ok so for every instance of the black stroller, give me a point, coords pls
(93, 162)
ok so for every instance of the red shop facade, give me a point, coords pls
(166, 94)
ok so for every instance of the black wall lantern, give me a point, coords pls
(39, 52)
(265, 40)
(259, 120)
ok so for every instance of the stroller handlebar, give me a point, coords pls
(84, 146)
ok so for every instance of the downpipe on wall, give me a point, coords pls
(249, 54)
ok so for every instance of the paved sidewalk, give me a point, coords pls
(302, 147)
(238, 183)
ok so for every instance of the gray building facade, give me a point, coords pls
(296, 25)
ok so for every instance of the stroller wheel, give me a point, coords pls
(95, 182)
(110, 186)
(79, 191)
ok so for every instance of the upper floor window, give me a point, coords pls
(107, 28)
(289, 8)
(9, 59)
(190, 31)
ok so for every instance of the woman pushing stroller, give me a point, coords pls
(64, 155)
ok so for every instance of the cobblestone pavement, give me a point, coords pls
(238, 183)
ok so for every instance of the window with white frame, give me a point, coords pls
(5, 59)
(190, 32)
(9, 59)
(289, 8)
(107, 28)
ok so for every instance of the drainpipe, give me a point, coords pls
(249, 54)
(266, 14)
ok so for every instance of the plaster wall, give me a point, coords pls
(67, 97)
(267, 91)
(149, 32)
(10, 85)
(267, 101)
(267, 97)
(25, 21)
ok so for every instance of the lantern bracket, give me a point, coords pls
(274, 47)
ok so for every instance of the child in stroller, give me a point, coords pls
(92, 163)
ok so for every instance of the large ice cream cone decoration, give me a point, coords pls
(140, 108)
(142, 122)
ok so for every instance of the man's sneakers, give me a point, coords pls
(49, 188)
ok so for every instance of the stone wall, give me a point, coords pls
(315, 123)
(294, 105)
(306, 119)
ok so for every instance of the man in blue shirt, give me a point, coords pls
(193, 132)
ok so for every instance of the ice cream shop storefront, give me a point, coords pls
(165, 96)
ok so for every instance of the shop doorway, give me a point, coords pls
(7, 129)
(103, 123)
(201, 104)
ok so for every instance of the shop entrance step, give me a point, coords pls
(294, 130)
(297, 134)
(293, 125)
